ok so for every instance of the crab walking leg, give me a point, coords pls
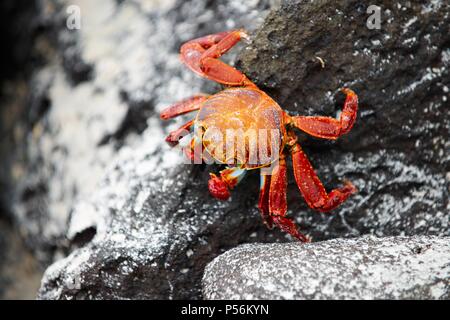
(174, 137)
(311, 187)
(201, 56)
(330, 128)
(278, 201)
(263, 203)
(184, 106)
(220, 187)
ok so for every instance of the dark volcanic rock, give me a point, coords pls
(154, 238)
(395, 154)
(415, 267)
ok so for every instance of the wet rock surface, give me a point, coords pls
(93, 187)
(415, 267)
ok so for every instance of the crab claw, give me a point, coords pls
(218, 188)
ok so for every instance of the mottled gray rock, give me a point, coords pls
(415, 267)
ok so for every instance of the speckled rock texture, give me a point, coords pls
(93, 188)
(415, 267)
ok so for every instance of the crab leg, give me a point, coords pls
(311, 187)
(263, 203)
(330, 128)
(174, 137)
(278, 202)
(220, 187)
(201, 56)
(184, 106)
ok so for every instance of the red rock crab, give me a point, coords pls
(243, 107)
